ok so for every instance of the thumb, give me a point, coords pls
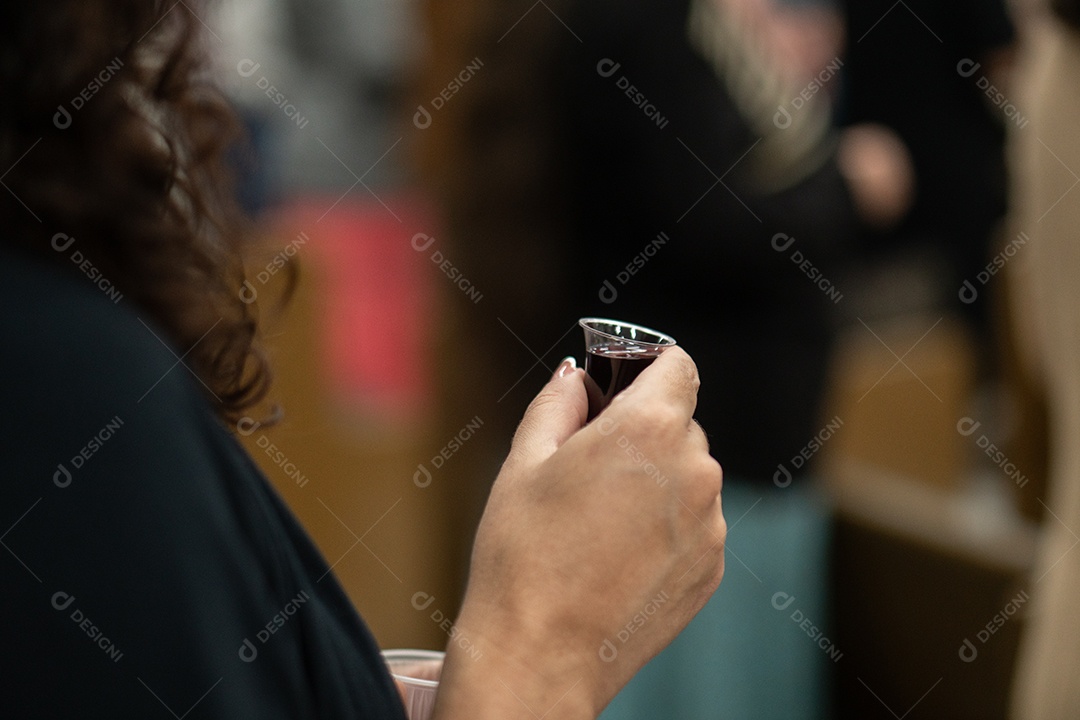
(553, 416)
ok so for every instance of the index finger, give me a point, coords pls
(671, 379)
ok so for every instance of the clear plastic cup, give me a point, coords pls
(418, 672)
(615, 353)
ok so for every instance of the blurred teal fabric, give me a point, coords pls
(742, 658)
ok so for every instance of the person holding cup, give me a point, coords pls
(147, 558)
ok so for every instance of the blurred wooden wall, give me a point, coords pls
(386, 536)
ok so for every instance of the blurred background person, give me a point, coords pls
(910, 68)
(1046, 159)
(672, 165)
(334, 69)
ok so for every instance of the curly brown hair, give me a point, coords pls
(113, 137)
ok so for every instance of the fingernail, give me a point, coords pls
(567, 366)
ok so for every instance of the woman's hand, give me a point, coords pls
(597, 546)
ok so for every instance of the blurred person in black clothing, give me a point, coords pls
(924, 68)
(650, 162)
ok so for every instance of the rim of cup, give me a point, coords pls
(408, 655)
(663, 339)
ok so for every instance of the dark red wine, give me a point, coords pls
(609, 369)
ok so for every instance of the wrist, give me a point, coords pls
(503, 663)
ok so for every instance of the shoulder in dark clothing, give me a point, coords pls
(144, 547)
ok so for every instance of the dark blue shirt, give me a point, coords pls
(148, 569)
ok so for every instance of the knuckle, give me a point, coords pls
(720, 521)
(715, 472)
(666, 418)
(532, 418)
(700, 436)
(704, 481)
(693, 379)
(546, 397)
(653, 420)
(718, 573)
(688, 377)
